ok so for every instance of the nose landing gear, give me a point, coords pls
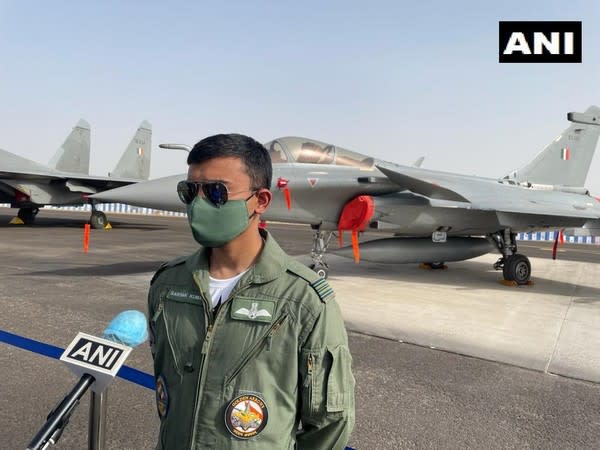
(317, 254)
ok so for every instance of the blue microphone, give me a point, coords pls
(97, 361)
(127, 328)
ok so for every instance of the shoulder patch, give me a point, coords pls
(320, 285)
(323, 290)
(163, 266)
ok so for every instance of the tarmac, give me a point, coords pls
(442, 358)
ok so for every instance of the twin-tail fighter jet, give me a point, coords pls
(434, 216)
(28, 185)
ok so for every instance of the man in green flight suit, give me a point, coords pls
(247, 343)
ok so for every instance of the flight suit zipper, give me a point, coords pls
(160, 311)
(308, 382)
(256, 348)
(208, 325)
(212, 322)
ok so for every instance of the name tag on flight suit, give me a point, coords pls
(183, 296)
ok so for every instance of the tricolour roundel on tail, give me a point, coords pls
(566, 161)
(135, 161)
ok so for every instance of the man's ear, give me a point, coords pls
(264, 197)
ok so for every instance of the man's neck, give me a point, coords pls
(236, 256)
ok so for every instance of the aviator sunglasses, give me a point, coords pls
(214, 191)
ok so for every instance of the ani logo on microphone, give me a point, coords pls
(246, 416)
(540, 42)
(95, 353)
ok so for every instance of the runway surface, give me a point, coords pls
(408, 396)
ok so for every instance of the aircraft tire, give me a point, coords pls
(322, 272)
(519, 268)
(98, 220)
(27, 215)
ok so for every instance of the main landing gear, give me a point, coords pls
(515, 266)
(27, 215)
(98, 219)
(317, 254)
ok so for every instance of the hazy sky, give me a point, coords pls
(396, 80)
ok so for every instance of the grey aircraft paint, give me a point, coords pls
(413, 202)
(28, 185)
(135, 161)
(73, 155)
(577, 143)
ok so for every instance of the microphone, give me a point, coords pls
(96, 361)
(128, 328)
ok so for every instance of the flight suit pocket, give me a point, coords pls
(314, 367)
(262, 344)
(328, 384)
(339, 382)
(180, 321)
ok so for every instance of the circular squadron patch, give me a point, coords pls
(162, 397)
(246, 416)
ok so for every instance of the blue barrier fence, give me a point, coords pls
(127, 373)
(41, 348)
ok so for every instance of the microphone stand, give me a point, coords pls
(97, 422)
(59, 417)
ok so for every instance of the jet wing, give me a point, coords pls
(101, 182)
(11, 165)
(487, 194)
(424, 187)
(75, 183)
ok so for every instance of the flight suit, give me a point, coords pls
(275, 353)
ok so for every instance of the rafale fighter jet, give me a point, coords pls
(434, 216)
(28, 185)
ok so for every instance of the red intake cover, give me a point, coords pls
(357, 213)
(20, 197)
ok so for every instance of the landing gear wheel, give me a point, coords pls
(98, 220)
(322, 272)
(518, 268)
(27, 215)
(437, 265)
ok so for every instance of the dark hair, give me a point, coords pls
(253, 154)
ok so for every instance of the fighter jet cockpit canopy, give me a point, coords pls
(309, 151)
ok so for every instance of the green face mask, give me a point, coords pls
(216, 226)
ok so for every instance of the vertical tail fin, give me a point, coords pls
(74, 154)
(135, 161)
(566, 161)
